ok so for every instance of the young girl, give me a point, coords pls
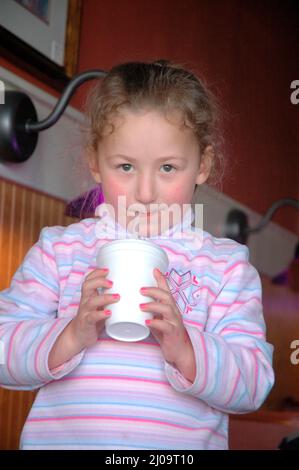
(152, 139)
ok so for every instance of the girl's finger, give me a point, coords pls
(156, 293)
(162, 292)
(99, 301)
(91, 285)
(96, 273)
(96, 316)
(161, 326)
(161, 280)
(163, 309)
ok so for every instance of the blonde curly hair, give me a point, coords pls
(162, 86)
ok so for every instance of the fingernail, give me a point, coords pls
(143, 289)
(142, 305)
(158, 271)
(148, 322)
(115, 296)
(104, 269)
(109, 282)
(107, 312)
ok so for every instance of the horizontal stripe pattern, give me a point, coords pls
(118, 395)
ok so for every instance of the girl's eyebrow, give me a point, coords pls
(167, 157)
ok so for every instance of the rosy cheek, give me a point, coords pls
(112, 191)
(179, 194)
(114, 187)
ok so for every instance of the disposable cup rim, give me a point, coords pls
(124, 245)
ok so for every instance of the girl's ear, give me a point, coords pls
(205, 166)
(93, 166)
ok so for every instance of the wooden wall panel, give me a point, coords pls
(23, 213)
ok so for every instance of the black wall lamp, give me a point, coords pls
(236, 225)
(19, 127)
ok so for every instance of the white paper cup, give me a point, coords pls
(131, 263)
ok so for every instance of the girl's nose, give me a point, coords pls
(146, 190)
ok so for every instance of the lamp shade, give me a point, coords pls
(16, 144)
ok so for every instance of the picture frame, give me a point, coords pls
(26, 56)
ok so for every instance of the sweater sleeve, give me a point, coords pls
(234, 370)
(29, 325)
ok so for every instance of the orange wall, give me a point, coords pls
(248, 53)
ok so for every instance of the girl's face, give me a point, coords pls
(151, 161)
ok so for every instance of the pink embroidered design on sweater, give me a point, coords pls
(184, 288)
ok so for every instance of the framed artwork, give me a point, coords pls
(42, 37)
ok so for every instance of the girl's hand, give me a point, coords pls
(168, 328)
(91, 316)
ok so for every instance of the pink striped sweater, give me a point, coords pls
(118, 395)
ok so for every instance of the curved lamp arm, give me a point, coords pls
(63, 101)
(271, 211)
(236, 225)
(18, 119)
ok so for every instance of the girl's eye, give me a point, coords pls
(124, 165)
(125, 168)
(168, 166)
